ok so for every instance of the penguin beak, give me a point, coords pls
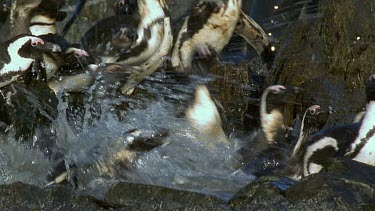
(36, 41)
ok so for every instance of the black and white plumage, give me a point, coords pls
(17, 56)
(313, 120)
(141, 39)
(363, 148)
(45, 16)
(352, 140)
(210, 25)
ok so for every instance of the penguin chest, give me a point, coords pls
(317, 153)
(363, 148)
(215, 33)
(40, 25)
(218, 30)
(17, 65)
(12, 71)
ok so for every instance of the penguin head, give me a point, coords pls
(126, 7)
(315, 118)
(279, 96)
(24, 46)
(370, 88)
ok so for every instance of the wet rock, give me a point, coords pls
(148, 197)
(260, 195)
(19, 196)
(230, 88)
(337, 47)
(346, 185)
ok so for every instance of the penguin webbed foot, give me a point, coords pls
(60, 175)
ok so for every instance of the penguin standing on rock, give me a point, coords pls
(352, 140)
(313, 120)
(363, 148)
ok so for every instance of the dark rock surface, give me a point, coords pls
(147, 197)
(330, 56)
(346, 185)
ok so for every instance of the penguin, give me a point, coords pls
(313, 120)
(17, 56)
(209, 26)
(268, 147)
(45, 16)
(254, 35)
(363, 148)
(68, 57)
(135, 37)
(110, 36)
(107, 158)
(153, 62)
(348, 140)
(142, 39)
(124, 7)
(205, 118)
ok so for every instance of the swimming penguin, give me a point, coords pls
(17, 55)
(268, 147)
(204, 116)
(208, 27)
(107, 158)
(339, 141)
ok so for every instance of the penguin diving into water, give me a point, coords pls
(108, 157)
(204, 116)
(268, 148)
